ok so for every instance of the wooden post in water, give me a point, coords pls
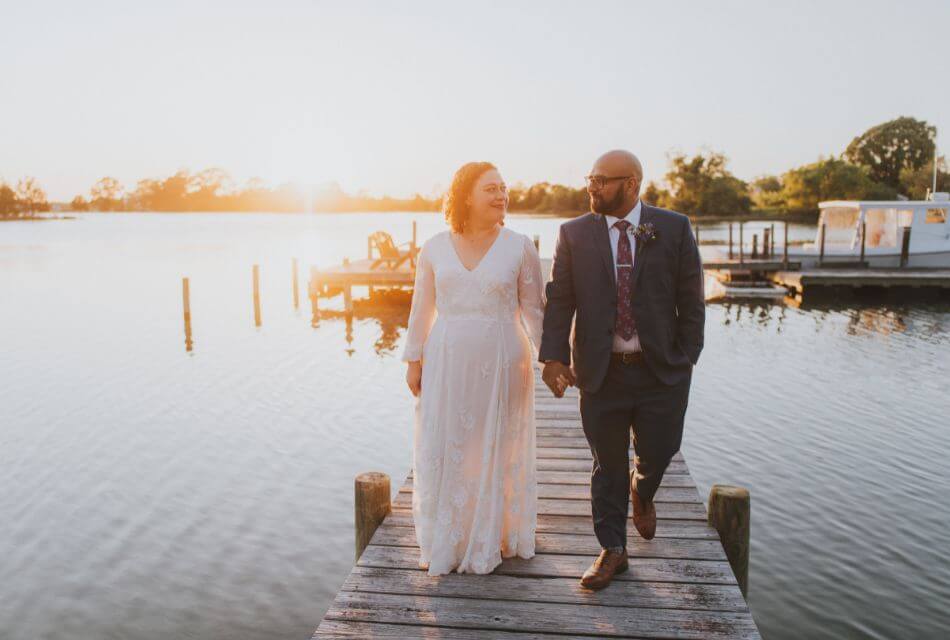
(741, 260)
(785, 247)
(186, 305)
(864, 233)
(537, 242)
(729, 513)
(905, 247)
(730, 241)
(766, 244)
(347, 291)
(414, 244)
(296, 285)
(821, 236)
(256, 277)
(772, 236)
(372, 505)
(755, 246)
(314, 295)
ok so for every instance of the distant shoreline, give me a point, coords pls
(769, 215)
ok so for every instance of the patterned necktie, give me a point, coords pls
(625, 325)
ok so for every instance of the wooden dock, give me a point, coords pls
(799, 281)
(680, 584)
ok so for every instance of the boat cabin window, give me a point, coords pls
(936, 216)
(840, 224)
(881, 227)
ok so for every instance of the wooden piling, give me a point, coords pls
(372, 504)
(296, 285)
(741, 257)
(729, 513)
(256, 277)
(730, 241)
(821, 254)
(186, 306)
(755, 245)
(696, 228)
(905, 247)
(772, 238)
(537, 242)
(785, 248)
(864, 234)
(766, 244)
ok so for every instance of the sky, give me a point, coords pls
(391, 97)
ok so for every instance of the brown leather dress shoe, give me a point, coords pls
(644, 515)
(606, 566)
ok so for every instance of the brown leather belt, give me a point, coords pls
(627, 357)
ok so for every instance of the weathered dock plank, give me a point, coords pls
(680, 584)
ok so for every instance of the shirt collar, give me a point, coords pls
(633, 217)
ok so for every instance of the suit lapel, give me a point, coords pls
(601, 238)
(646, 215)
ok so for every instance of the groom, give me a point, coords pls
(630, 278)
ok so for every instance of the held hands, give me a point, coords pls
(558, 376)
(414, 377)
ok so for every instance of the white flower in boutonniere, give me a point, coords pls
(645, 232)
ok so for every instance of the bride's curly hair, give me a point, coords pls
(454, 204)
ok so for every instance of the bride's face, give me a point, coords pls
(489, 200)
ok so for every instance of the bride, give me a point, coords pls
(477, 299)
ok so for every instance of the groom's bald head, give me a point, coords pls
(618, 196)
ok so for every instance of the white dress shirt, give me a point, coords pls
(633, 344)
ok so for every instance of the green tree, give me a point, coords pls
(79, 204)
(766, 192)
(106, 195)
(30, 196)
(915, 183)
(889, 148)
(701, 185)
(830, 179)
(8, 201)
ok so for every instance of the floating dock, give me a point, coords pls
(680, 584)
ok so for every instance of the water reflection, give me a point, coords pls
(388, 308)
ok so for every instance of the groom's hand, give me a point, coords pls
(558, 376)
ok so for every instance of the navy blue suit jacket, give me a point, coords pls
(668, 298)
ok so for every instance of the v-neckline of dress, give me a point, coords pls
(458, 258)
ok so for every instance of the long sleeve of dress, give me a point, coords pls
(531, 294)
(422, 313)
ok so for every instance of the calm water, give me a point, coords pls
(151, 492)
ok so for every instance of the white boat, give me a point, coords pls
(884, 223)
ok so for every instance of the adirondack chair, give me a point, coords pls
(391, 257)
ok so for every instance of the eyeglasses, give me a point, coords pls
(598, 182)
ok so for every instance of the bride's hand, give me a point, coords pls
(414, 377)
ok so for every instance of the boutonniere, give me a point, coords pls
(645, 232)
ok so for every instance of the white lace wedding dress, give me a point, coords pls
(474, 486)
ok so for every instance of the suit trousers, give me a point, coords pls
(631, 397)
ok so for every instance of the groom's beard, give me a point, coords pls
(606, 207)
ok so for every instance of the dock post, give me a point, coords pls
(864, 233)
(772, 237)
(821, 254)
(186, 306)
(755, 246)
(765, 243)
(313, 290)
(537, 242)
(296, 285)
(741, 260)
(256, 277)
(905, 247)
(730, 241)
(785, 248)
(372, 505)
(729, 513)
(414, 244)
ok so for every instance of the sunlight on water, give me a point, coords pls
(155, 492)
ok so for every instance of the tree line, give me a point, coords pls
(887, 161)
